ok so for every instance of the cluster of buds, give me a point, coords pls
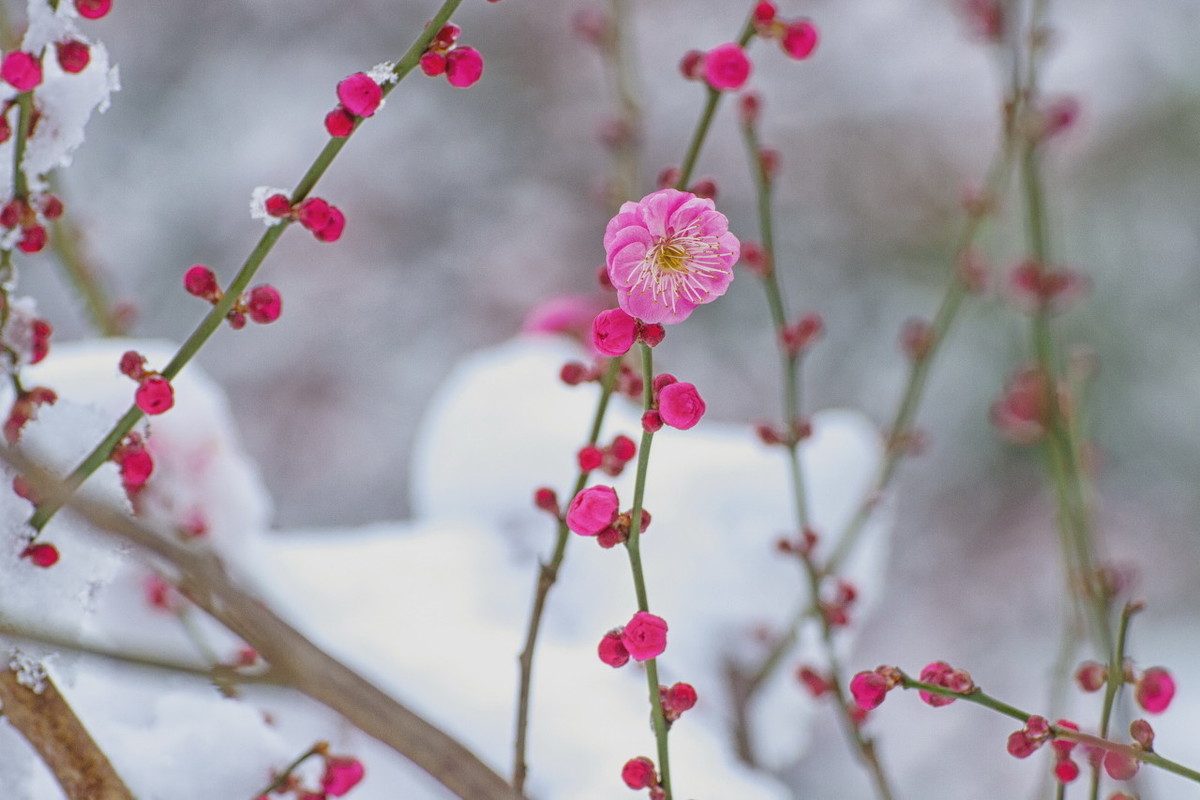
(611, 459)
(1154, 688)
(798, 431)
(614, 332)
(134, 462)
(340, 774)
(797, 37)
(25, 408)
(1037, 731)
(29, 217)
(325, 221)
(462, 66)
(675, 700)
(1022, 413)
(359, 96)
(644, 637)
(595, 512)
(755, 259)
(639, 773)
(629, 381)
(260, 303)
(668, 178)
(797, 338)
(835, 606)
(1035, 288)
(154, 393)
(675, 403)
(939, 673)
(724, 68)
(870, 688)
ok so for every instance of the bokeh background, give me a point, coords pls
(467, 208)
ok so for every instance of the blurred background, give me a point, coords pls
(466, 208)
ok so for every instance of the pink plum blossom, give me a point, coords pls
(614, 332)
(342, 773)
(726, 67)
(680, 405)
(669, 253)
(21, 70)
(464, 66)
(592, 510)
(645, 636)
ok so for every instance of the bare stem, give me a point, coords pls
(547, 577)
(47, 722)
(297, 661)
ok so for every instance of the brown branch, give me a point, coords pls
(293, 658)
(47, 722)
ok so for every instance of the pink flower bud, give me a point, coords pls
(680, 405)
(1091, 676)
(645, 636)
(652, 421)
(869, 689)
(749, 107)
(764, 13)
(331, 231)
(1155, 690)
(360, 94)
(612, 650)
(93, 9)
(680, 697)
(33, 239)
(623, 448)
(313, 213)
(1119, 766)
(589, 458)
(132, 365)
(339, 124)
(1021, 745)
(155, 395)
(136, 466)
(917, 338)
(799, 40)
(278, 205)
(814, 681)
(200, 281)
(42, 555)
(614, 332)
(691, 67)
(73, 55)
(726, 67)
(546, 499)
(1142, 733)
(433, 63)
(464, 66)
(52, 207)
(264, 304)
(1066, 770)
(1063, 747)
(592, 510)
(21, 70)
(638, 773)
(342, 774)
(40, 332)
(651, 333)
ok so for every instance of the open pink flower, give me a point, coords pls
(669, 253)
(645, 636)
